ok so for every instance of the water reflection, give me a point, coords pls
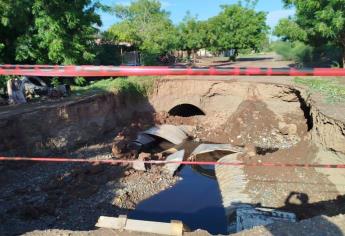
(195, 200)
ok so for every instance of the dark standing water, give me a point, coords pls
(195, 200)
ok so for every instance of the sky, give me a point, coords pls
(204, 9)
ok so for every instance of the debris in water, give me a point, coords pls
(172, 167)
(170, 133)
(206, 148)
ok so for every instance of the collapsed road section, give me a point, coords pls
(195, 120)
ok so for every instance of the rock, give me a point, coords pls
(119, 147)
(281, 125)
(250, 150)
(119, 137)
(292, 129)
(287, 129)
(251, 154)
(159, 156)
(144, 156)
(139, 165)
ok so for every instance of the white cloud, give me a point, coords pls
(273, 17)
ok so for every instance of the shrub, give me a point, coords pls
(80, 81)
(298, 52)
(305, 55)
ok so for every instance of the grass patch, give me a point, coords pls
(330, 88)
(134, 85)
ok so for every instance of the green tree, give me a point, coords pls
(322, 21)
(192, 34)
(146, 25)
(63, 32)
(48, 31)
(289, 30)
(235, 28)
(15, 20)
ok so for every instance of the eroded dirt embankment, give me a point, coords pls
(277, 123)
(64, 125)
(221, 99)
(328, 131)
(59, 126)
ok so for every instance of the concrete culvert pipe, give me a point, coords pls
(186, 110)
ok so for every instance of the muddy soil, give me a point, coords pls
(73, 196)
(70, 197)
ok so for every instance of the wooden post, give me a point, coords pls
(174, 228)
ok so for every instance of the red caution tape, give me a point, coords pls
(264, 164)
(114, 71)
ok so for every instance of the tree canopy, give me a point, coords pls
(237, 27)
(146, 25)
(15, 20)
(65, 32)
(48, 31)
(289, 30)
(192, 34)
(318, 22)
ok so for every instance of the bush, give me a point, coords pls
(56, 81)
(140, 86)
(298, 52)
(80, 81)
(305, 55)
(328, 55)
